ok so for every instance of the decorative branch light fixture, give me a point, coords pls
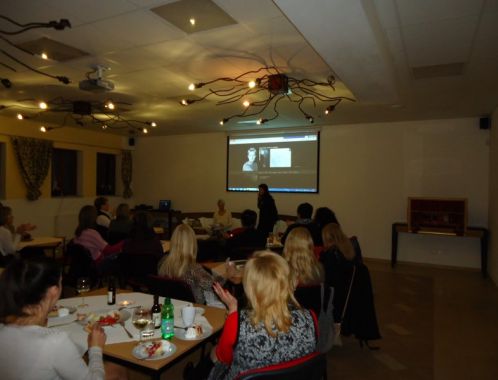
(96, 113)
(275, 86)
(21, 28)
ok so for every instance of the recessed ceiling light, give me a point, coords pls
(192, 21)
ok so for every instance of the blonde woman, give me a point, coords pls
(305, 269)
(222, 217)
(273, 329)
(181, 263)
(334, 237)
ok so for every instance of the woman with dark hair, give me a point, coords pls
(87, 236)
(119, 229)
(268, 213)
(143, 240)
(28, 349)
(9, 234)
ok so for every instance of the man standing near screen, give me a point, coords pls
(251, 165)
(268, 213)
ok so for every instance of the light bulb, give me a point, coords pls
(145, 131)
(184, 102)
(153, 124)
(104, 126)
(192, 21)
(43, 105)
(191, 87)
(43, 129)
(20, 116)
(246, 103)
(44, 55)
(252, 84)
(110, 105)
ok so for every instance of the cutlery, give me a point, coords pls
(125, 329)
(128, 307)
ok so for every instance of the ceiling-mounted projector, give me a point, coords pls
(97, 84)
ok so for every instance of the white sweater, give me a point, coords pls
(40, 353)
(8, 243)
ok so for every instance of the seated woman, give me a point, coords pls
(222, 217)
(86, 235)
(274, 329)
(323, 216)
(306, 272)
(10, 236)
(28, 349)
(119, 228)
(181, 263)
(305, 269)
(346, 273)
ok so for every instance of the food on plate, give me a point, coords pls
(108, 319)
(54, 312)
(63, 312)
(195, 331)
(155, 348)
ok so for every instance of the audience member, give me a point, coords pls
(86, 235)
(305, 269)
(10, 236)
(247, 236)
(268, 213)
(304, 213)
(181, 263)
(345, 272)
(30, 350)
(222, 217)
(104, 216)
(119, 228)
(324, 216)
(273, 319)
(143, 240)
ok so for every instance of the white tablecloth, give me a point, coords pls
(116, 333)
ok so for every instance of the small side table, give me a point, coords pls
(477, 232)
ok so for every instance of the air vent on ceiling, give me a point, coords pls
(207, 15)
(435, 71)
(55, 50)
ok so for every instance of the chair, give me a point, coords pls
(170, 287)
(81, 264)
(309, 297)
(309, 367)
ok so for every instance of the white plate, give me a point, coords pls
(71, 309)
(206, 331)
(124, 315)
(140, 351)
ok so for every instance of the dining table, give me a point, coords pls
(44, 242)
(119, 345)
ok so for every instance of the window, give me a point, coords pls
(64, 172)
(106, 174)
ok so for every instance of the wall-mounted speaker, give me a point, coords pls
(131, 141)
(485, 122)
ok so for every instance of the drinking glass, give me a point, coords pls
(83, 286)
(140, 319)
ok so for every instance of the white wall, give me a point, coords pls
(367, 171)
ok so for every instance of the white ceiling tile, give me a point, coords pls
(386, 12)
(441, 42)
(246, 11)
(150, 3)
(422, 11)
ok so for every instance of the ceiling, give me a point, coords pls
(400, 59)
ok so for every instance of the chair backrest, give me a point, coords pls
(170, 287)
(309, 367)
(309, 297)
(81, 264)
(137, 265)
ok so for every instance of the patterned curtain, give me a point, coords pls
(126, 171)
(34, 157)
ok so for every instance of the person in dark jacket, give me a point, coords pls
(344, 270)
(247, 239)
(268, 213)
(304, 213)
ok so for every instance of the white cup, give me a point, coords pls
(188, 315)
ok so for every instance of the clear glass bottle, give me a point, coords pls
(168, 320)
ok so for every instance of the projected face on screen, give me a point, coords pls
(250, 165)
(287, 161)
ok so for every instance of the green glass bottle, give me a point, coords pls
(168, 320)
